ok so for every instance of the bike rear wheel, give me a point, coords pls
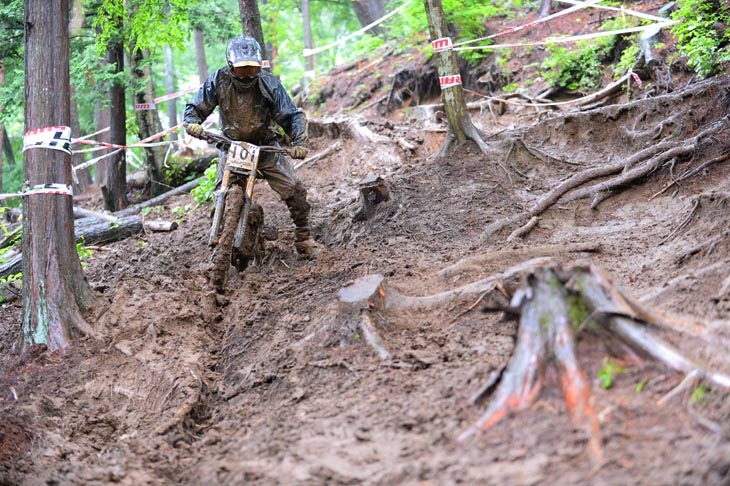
(223, 251)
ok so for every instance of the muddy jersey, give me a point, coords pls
(248, 110)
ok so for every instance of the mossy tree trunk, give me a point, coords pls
(460, 123)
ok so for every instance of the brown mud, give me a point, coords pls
(263, 387)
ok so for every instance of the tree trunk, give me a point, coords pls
(200, 55)
(2, 128)
(83, 176)
(115, 190)
(308, 41)
(170, 87)
(102, 119)
(148, 122)
(544, 9)
(55, 292)
(368, 11)
(7, 147)
(460, 124)
(251, 22)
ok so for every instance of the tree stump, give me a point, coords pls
(359, 309)
(373, 191)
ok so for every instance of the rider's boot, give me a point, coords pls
(299, 210)
(305, 244)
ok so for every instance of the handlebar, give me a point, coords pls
(225, 143)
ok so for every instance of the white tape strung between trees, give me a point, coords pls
(578, 6)
(573, 38)
(632, 13)
(311, 52)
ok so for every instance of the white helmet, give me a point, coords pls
(243, 51)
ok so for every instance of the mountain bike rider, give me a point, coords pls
(250, 101)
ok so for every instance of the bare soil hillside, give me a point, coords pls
(271, 384)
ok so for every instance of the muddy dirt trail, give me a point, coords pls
(270, 384)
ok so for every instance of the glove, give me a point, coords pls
(194, 130)
(299, 152)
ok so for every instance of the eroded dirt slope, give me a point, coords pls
(264, 387)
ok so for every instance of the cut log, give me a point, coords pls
(93, 234)
(160, 226)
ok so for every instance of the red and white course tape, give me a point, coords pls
(55, 138)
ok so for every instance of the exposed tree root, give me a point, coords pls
(551, 302)
(634, 168)
(545, 336)
(189, 417)
(475, 262)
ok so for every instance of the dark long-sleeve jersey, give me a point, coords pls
(248, 110)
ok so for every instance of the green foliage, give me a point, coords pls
(180, 211)
(696, 35)
(641, 385)
(8, 279)
(577, 69)
(204, 191)
(146, 23)
(84, 253)
(580, 67)
(699, 393)
(607, 373)
(175, 171)
(12, 18)
(13, 180)
(627, 61)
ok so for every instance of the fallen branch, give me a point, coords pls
(156, 201)
(319, 155)
(86, 213)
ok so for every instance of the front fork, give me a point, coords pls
(220, 207)
(243, 227)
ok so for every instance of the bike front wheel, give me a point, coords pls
(223, 251)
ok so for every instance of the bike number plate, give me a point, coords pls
(243, 156)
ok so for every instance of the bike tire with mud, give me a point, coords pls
(223, 251)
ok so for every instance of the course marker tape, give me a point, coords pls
(144, 106)
(177, 94)
(449, 81)
(311, 52)
(562, 40)
(637, 79)
(55, 138)
(59, 189)
(265, 63)
(633, 13)
(442, 44)
(579, 6)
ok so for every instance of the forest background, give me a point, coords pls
(167, 30)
